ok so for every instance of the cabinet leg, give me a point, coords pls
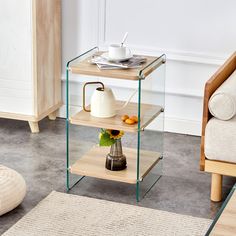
(216, 187)
(34, 126)
(53, 115)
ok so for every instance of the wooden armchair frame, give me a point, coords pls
(217, 168)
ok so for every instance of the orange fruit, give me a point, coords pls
(134, 118)
(129, 121)
(124, 117)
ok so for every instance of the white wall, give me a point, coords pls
(196, 36)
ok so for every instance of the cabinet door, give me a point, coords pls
(16, 88)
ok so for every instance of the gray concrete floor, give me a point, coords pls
(40, 158)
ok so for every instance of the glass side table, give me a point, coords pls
(225, 220)
(142, 146)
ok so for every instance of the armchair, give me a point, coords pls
(222, 130)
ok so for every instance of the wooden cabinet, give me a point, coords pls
(30, 60)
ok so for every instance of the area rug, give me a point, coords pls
(66, 214)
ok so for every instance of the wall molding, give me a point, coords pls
(170, 91)
(173, 55)
(179, 56)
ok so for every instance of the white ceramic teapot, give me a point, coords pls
(103, 102)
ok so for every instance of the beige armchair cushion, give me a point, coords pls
(220, 140)
(222, 103)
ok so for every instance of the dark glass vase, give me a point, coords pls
(116, 160)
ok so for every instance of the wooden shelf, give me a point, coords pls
(148, 113)
(85, 68)
(93, 164)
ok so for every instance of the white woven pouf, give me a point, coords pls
(12, 189)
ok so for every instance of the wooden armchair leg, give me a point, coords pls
(216, 187)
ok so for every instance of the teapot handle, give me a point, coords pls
(95, 82)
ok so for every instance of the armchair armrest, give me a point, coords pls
(210, 87)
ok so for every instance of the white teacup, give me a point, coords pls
(117, 51)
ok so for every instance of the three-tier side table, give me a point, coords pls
(142, 142)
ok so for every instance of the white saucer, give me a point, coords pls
(106, 56)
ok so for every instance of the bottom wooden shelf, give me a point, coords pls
(93, 164)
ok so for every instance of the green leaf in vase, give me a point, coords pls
(105, 140)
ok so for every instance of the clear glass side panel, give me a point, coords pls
(80, 139)
(150, 135)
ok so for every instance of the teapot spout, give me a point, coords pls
(127, 102)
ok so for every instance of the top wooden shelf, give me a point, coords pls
(85, 68)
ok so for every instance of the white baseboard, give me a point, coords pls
(172, 124)
(177, 125)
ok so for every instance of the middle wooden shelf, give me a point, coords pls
(148, 113)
